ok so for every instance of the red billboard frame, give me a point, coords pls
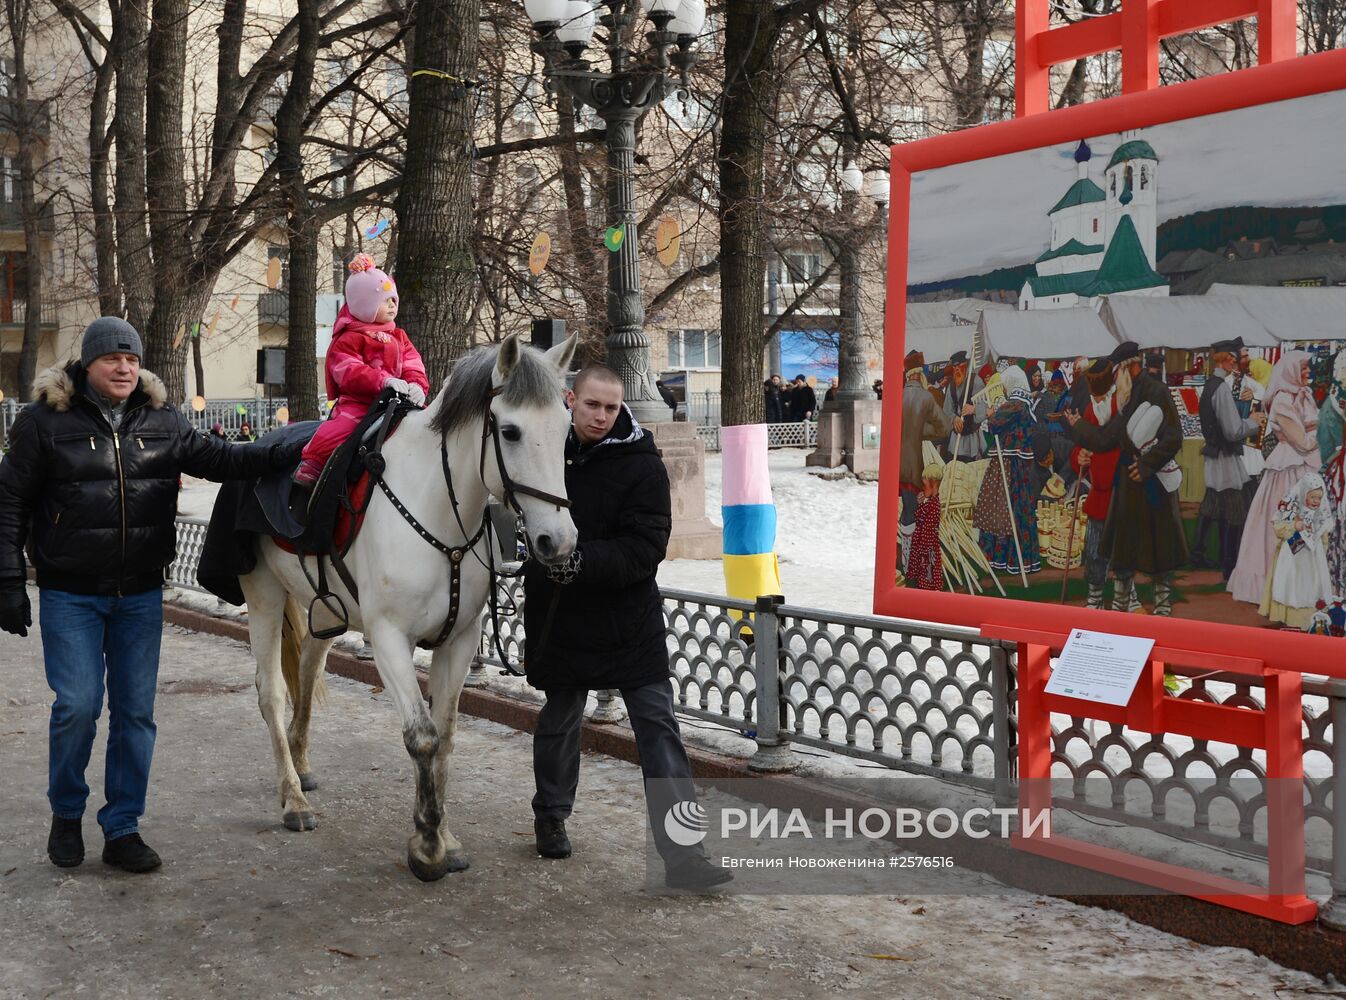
(1275, 81)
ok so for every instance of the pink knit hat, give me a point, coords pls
(367, 288)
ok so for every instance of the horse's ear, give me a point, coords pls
(563, 353)
(506, 358)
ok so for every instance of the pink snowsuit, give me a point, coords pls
(363, 356)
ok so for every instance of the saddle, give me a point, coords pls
(331, 518)
(336, 507)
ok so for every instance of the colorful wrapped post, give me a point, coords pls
(749, 514)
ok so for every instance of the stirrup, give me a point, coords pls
(343, 616)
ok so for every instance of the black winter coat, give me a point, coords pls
(95, 509)
(607, 629)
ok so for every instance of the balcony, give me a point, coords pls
(38, 118)
(11, 218)
(14, 312)
(274, 307)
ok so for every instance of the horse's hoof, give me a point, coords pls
(458, 862)
(434, 872)
(300, 821)
(308, 781)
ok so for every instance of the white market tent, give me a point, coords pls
(1182, 322)
(1291, 314)
(1045, 334)
(949, 312)
(938, 342)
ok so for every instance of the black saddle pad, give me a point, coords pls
(247, 508)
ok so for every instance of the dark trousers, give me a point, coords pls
(663, 760)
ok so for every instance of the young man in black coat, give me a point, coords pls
(90, 488)
(597, 622)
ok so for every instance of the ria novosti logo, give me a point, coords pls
(686, 824)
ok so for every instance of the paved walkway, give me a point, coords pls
(243, 906)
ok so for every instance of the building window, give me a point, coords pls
(910, 121)
(1095, 225)
(338, 270)
(803, 267)
(997, 59)
(907, 48)
(693, 349)
(341, 183)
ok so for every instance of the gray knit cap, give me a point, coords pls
(109, 335)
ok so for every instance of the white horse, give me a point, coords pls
(498, 426)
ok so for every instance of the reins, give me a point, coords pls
(377, 464)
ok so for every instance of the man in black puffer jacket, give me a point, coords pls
(597, 621)
(90, 486)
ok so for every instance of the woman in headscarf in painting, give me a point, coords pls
(1294, 416)
(995, 515)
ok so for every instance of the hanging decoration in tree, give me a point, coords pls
(377, 229)
(668, 240)
(614, 238)
(539, 253)
(241, 410)
(233, 303)
(273, 273)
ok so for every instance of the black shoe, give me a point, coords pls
(696, 873)
(552, 841)
(65, 843)
(130, 854)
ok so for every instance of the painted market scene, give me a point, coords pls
(673, 498)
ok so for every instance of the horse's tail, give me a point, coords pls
(293, 631)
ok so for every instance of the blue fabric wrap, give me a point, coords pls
(749, 529)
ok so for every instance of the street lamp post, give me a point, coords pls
(852, 366)
(633, 83)
(844, 435)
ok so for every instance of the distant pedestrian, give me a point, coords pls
(245, 433)
(803, 400)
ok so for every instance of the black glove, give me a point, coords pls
(566, 572)
(16, 614)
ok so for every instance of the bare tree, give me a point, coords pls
(436, 268)
(24, 121)
(301, 378)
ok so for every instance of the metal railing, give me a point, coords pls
(798, 435)
(938, 700)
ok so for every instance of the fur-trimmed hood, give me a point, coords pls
(57, 386)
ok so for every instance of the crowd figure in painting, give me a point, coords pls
(1105, 441)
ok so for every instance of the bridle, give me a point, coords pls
(490, 432)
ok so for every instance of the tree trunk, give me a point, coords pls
(301, 370)
(130, 40)
(436, 271)
(580, 237)
(750, 38)
(18, 12)
(104, 222)
(178, 300)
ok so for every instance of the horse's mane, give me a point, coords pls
(532, 382)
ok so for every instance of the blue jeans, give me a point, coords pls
(84, 638)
